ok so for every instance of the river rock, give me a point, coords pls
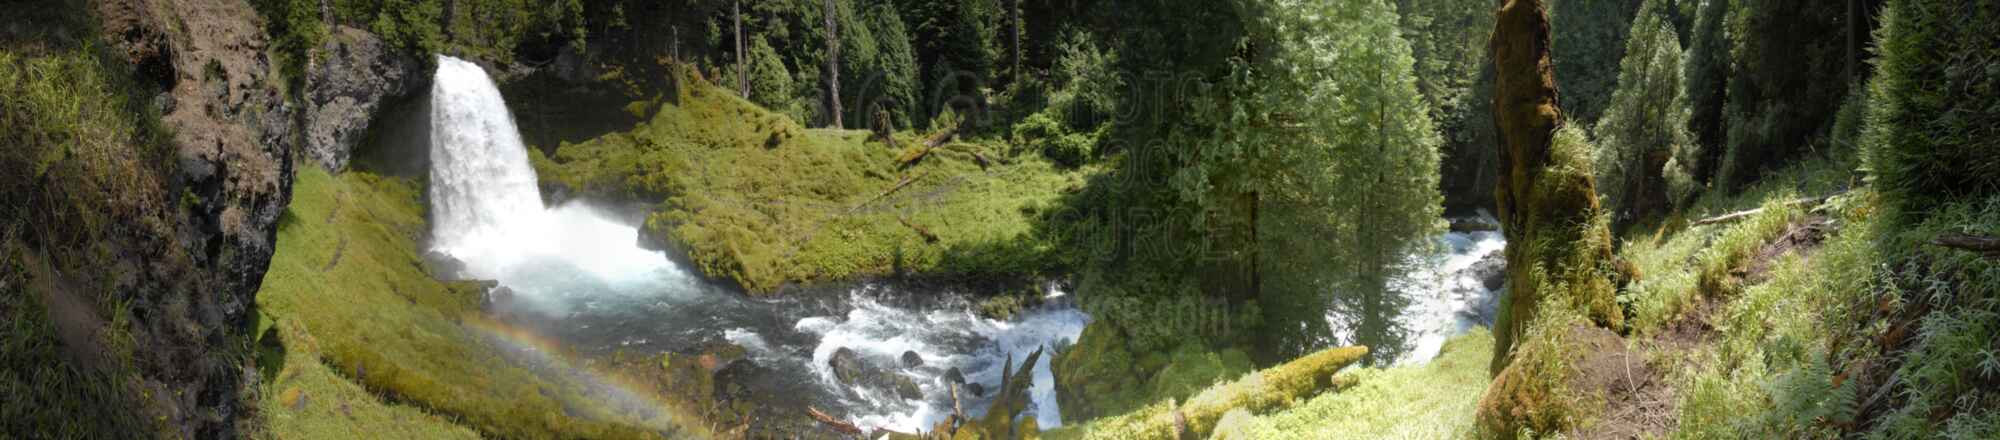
(953, 376)
(847, 366)
(356, 74)
(976, 389)
(912, 360)
(443, 267)
(906, 388)
(1491, 270)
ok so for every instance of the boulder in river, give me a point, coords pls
(1491, 270)
(953, 376)
(912, 360)
(976, 389)
(847, 366)
(443, 267)
(906, 388)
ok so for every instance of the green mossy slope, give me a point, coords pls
(751, 197)
(346, 288)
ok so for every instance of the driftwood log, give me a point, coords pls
(1739, 215)
(833, 423)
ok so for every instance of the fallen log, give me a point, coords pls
(1986, 246)
(907, 180)
(1268, 389)
(832, 423)
(918, 153)
(926, 233)
(1739, 215)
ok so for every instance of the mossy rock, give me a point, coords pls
(1193, 369)
(1098, 375)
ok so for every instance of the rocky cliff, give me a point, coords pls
(150, 166)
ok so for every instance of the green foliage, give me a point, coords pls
(1786, 77)
(1645, 124)
(1589, 42)
(1258, 391)
(1706, 71)
(1193, 369)
(1433, 400)
(50, 394)
(757, 200)
(1935, 106)
(1770, 374)
(83, 152)
(1320, 133)
(770, 83)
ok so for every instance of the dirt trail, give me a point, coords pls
(1630, 374)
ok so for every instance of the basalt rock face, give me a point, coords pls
(355, 77)
(190, 283)
(1546, 193)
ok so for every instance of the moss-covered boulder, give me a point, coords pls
(1099, 375)
(1257, 392)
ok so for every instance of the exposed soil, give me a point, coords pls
(1802, 238)
(1640, 401)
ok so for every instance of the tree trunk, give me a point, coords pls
(1014, 40)
(742, 64)
(833, 65)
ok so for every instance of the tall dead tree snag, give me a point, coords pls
(742, 63)
(1558, 243)
(833, 65)
(1546, 195)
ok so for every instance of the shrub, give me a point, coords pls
(1934, 118)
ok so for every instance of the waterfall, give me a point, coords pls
(482, 187)
(487, 211)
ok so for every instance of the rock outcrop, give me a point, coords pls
(354, 77)
(188, 271)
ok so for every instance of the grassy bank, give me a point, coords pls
(1433, 400)
(347, 307)
(754, 198)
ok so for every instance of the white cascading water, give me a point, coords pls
(486, 209)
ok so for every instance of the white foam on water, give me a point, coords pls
(881, 333)
(1443, 294)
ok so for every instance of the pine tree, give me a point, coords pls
(1646, 121)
